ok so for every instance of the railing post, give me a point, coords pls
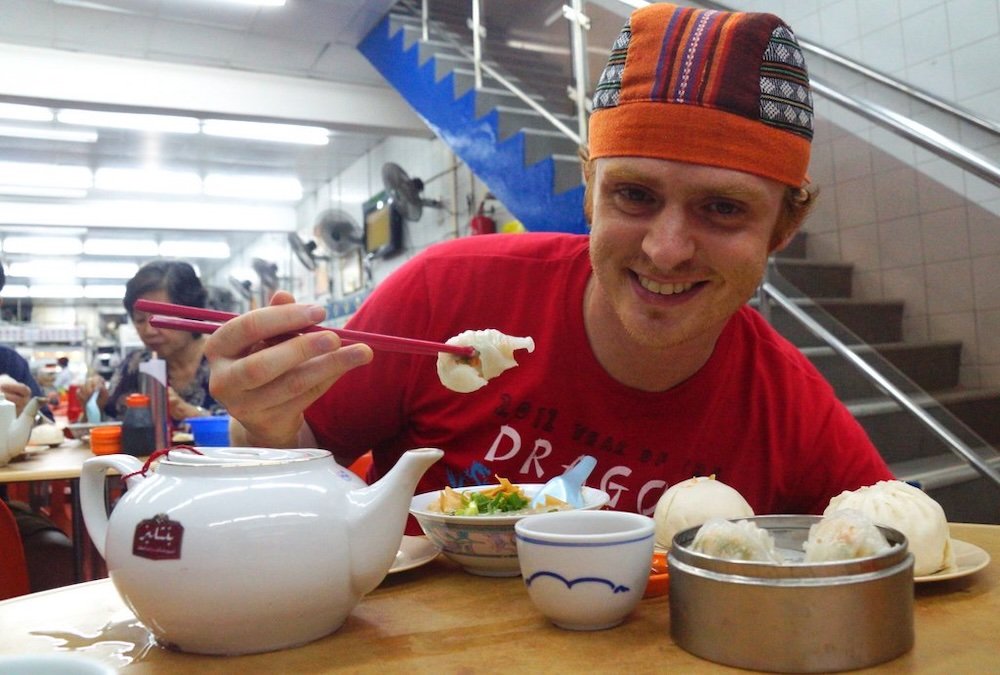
(477, 45)
(578, 23)
(424, 15)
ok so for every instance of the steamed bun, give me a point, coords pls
(693, 502)
(46, 434)
(911, 511)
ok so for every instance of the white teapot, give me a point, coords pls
(242, 550)
(15, 429)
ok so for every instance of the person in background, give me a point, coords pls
(64, 377)
(47, 549)
(187, 368)
(647, 355)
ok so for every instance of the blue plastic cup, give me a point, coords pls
(210, 431)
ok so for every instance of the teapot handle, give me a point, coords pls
(92, 496)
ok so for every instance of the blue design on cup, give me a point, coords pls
(569, 584)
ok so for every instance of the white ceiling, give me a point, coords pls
(206, 58)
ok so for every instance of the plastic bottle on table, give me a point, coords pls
(138, 431)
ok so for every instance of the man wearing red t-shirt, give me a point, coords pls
(647, 356)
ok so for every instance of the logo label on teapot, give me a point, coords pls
(158, 538)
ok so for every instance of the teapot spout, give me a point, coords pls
(378, 517)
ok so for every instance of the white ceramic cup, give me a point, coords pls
(585, 570)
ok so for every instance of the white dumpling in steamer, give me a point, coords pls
(844, 535)
(735, 540)
(496, 354)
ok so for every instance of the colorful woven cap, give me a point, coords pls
(725, 89)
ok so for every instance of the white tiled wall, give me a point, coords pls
(915, 227)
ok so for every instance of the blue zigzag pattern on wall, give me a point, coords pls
(527, 191)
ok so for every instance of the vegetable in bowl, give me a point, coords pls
(505, 498)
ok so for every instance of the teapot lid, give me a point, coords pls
(222, 456)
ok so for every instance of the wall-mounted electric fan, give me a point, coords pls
(405, 192)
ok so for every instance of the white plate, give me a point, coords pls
(414, 552)
(969, 558)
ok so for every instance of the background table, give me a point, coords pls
(438, 619)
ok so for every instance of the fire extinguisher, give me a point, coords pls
(481, 223)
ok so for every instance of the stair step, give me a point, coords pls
(879, 321)
(465, 80)
(965, 495)
(540, 144)
(817, 279)
(512, 120)
(568, 172)
(900, 436)
(932, 366)
(796, 248)
(488, 98)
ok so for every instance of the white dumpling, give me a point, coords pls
(910, 510)
(496, 354)
(735, 540)
(844, 535)
(692, 502)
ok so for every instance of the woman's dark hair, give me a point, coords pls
(178, 279)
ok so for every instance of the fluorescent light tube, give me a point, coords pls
(28, 113)
(29, 191)
(43, 269)
(258, 3)
(15, 291)
(194, 249)
(136, 248)
(47, 134)
(105, 270)
(45, 175)
(147, 180)
(266, 131)
(56, 291)
(171, 124)
(43, 246)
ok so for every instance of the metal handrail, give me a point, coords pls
(903, 88)
(915, 132)
(954, 443)
(479, 67)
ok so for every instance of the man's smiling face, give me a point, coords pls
(677, 248)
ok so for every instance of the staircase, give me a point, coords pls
(912, 451)
(530, 166)
(533, 169)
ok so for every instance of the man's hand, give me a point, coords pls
(265, 381)
(16, 392)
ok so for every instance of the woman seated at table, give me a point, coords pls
(187, 368)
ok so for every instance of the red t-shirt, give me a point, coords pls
(757, 415)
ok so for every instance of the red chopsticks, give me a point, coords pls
(199, 320)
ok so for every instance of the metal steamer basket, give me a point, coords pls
(797, 616)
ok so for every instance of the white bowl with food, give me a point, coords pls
(482, 542)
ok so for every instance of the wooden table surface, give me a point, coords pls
(438, 619)
(44, 463)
